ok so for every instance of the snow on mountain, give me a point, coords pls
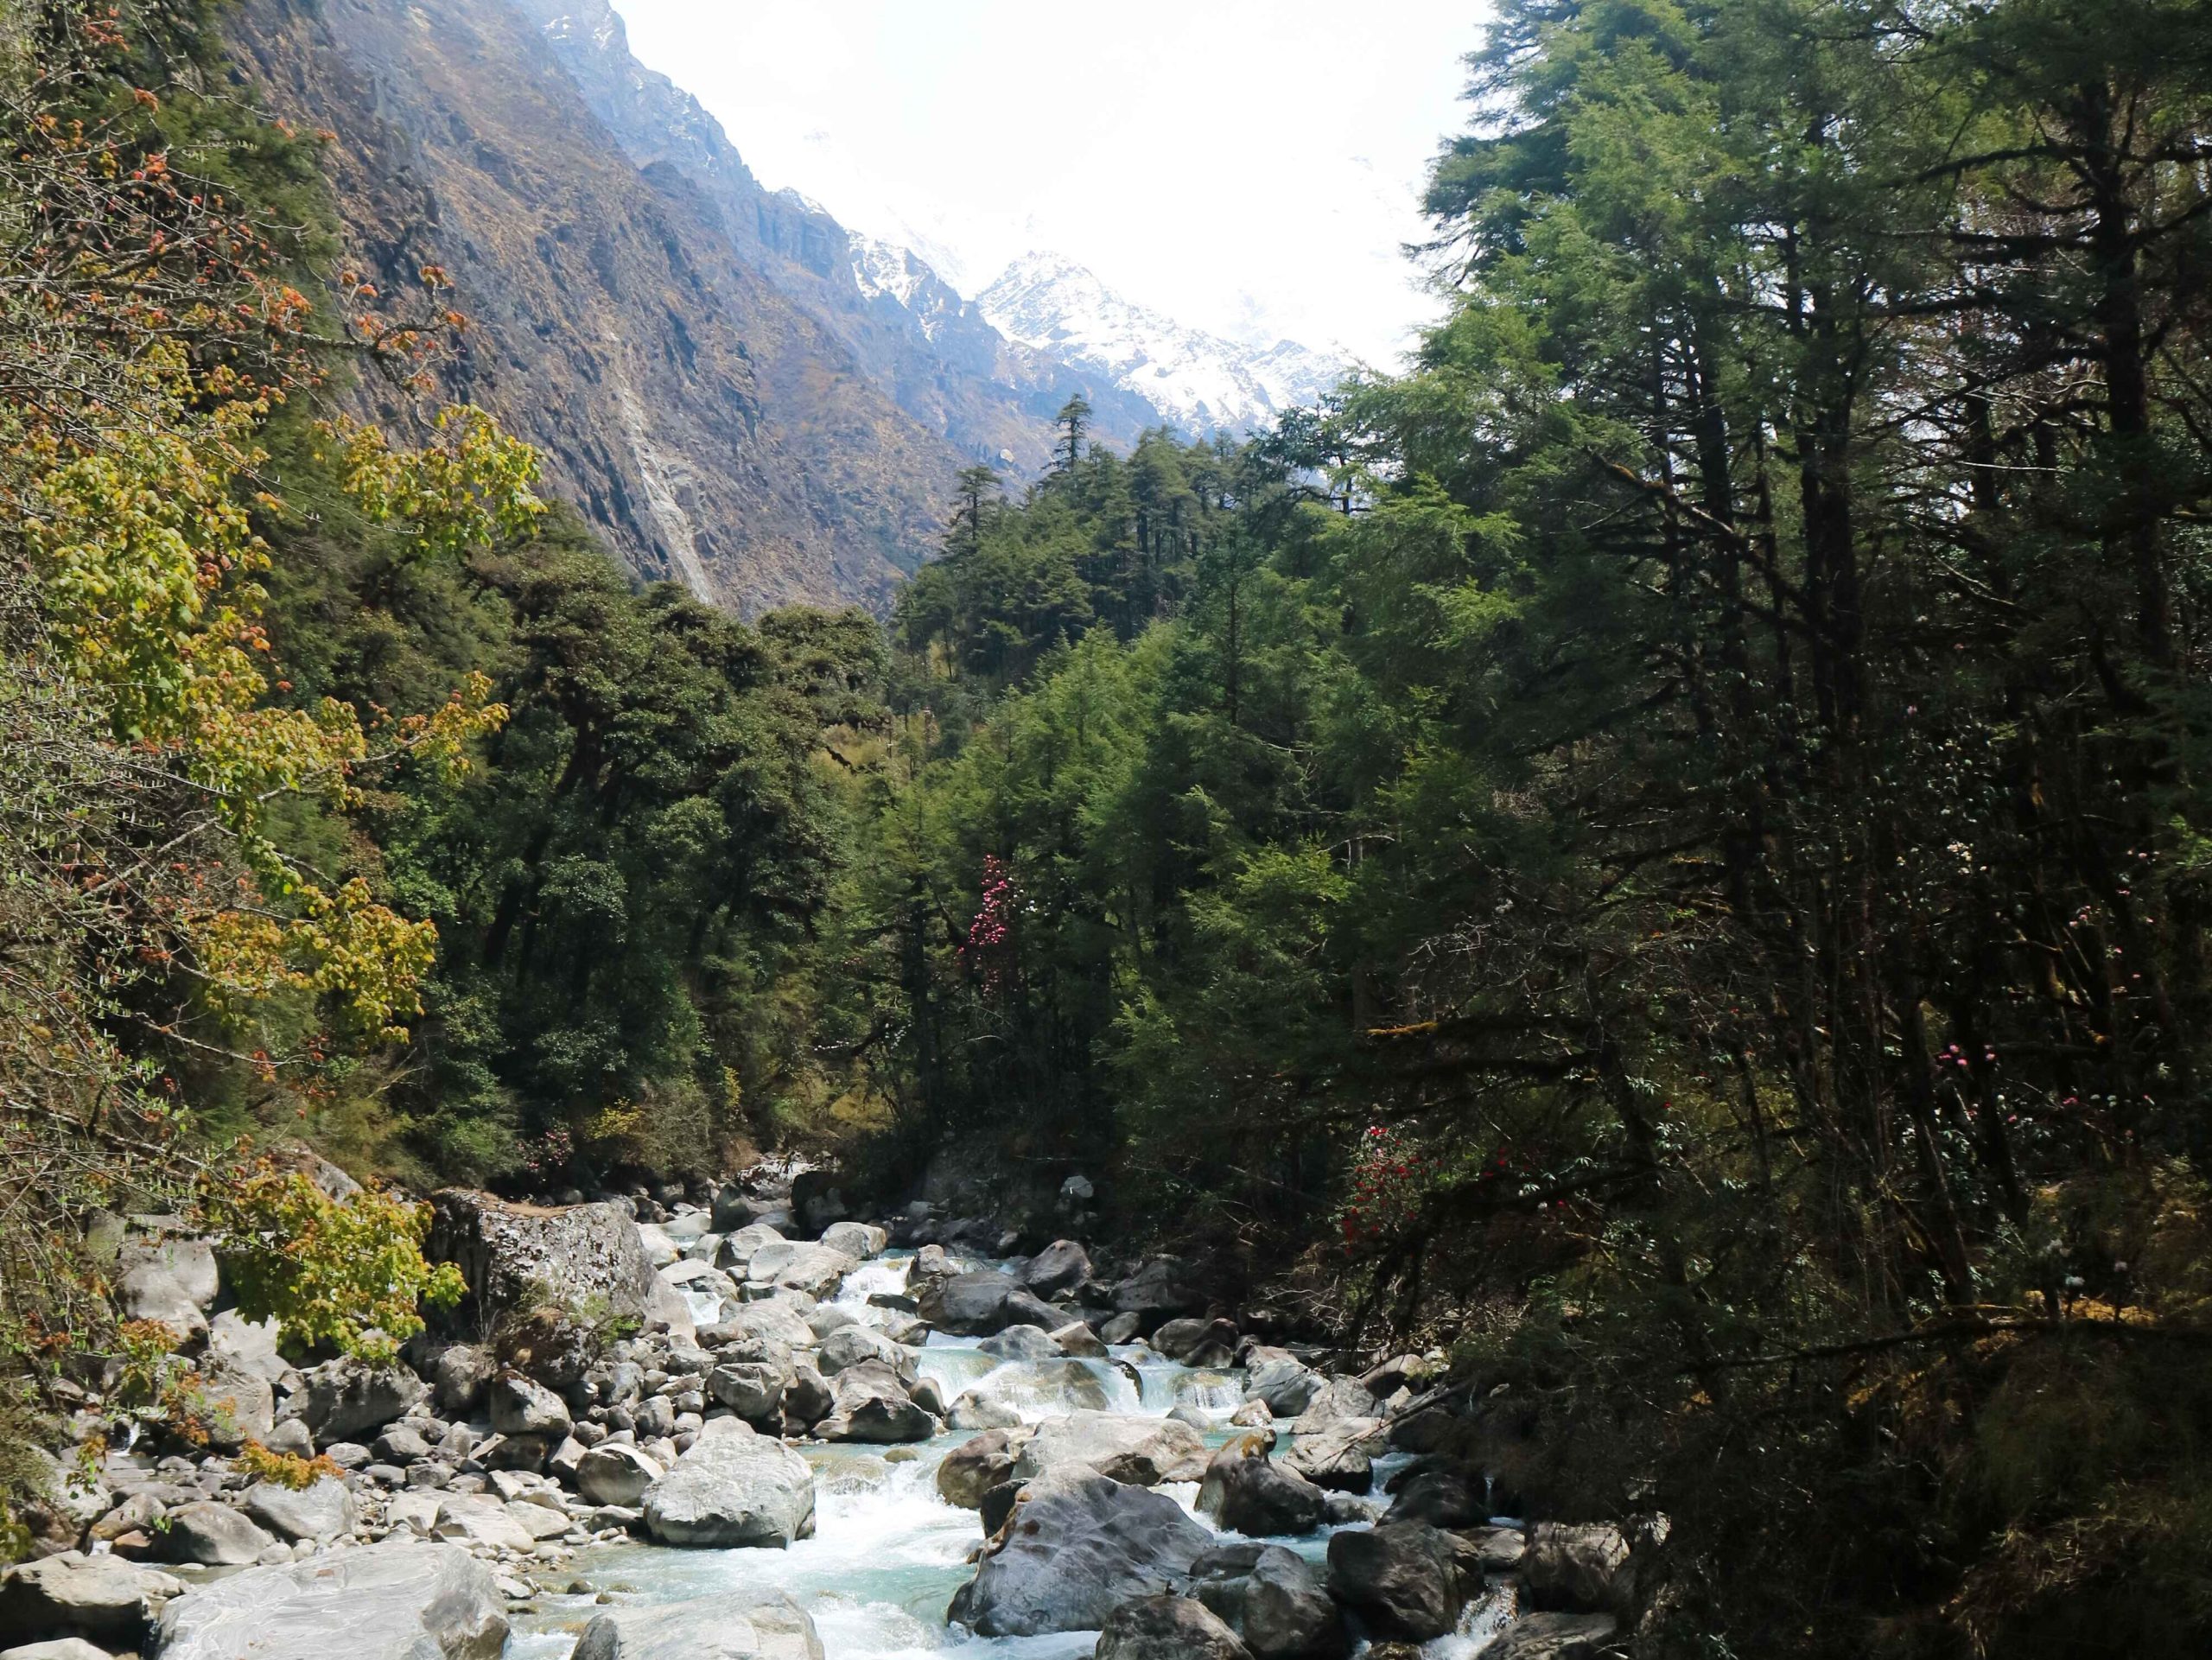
(1198, 381)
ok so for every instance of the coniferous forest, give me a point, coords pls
(1663, 855)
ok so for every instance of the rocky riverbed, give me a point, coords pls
(849, 1439)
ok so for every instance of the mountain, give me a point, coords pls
(712, 428)
(1198, 381)
(933, 354)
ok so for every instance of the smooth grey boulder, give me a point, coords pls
(1282, 1380)
(1168, 1628)
(975, 1410)
(249, 1345)
(1077, 1340)
(1404, 1580)
(1553, 1637)
(399, 1600)
(868, 1402)
(61, 1648)
(733, 1487)
(346, 1400)
(1061, 1266)
(460, 1373)
(1443, 1497)
(322, 1512)
(151, 1292)
(1076, 1547)
(1337, 1398)
(973, 1467)
(855, 1345)
(1574, 1566)
(214, 1534)
(520, 1406)
(1022, 1343)
(1338, 1455)
(858, 1240)
(814, 1269)
(102, 1597)
(615, 1472)
(1245, 1491)
(1162, 1288)
(968, 1305)
(751, 1388)
(165, 1242)
(1141, 1452)
(1272, 1598)
(735, 1252)
(733, 1209)
(807, 1397)
(582, 1256)
(236, 1405)
(771, 1320)
(754, 1626)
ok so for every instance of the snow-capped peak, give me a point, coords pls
(1199, 381)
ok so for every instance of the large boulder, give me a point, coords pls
(214, 1534)
(248, 1346)
(1141, 1452)
(150, 1292)
(1061, 1266)
(322, 1512)
(519, 1406)
(751, 1388)
(459, 1375)
(1337, 1398)
(236, 1405)
(101, 1597)
(814, 1269)
(733, 1487)
(735, 1255)
(348, 1400)
(399, 1600)
(1167, 1628)
(1404, 1580)
(1076, 1547)
(753, 1625)
(969, 1305)
(583, 1257)
(1553, 1637)
(1245, 1491)
(1282, 1380)
(973, 1467)
(615, 1472)
(868, 1402)
(1274, 1600)
(855, 1344)
(858, 1240)
(1443, 1497)
(1575, 1566)
(1162, 1288)
(1338, 1455)
(167, 1243)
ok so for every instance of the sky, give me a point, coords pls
(1248, 167)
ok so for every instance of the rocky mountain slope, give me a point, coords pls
(935, 355)
(1200, 382)
(712, 429)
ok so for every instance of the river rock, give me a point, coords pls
(751, 1388)
(856, 1344)
(236, 1405)
(587, 1257)
(733, 1487)
(1245, 1491)
(347, 1399)
(399, 1600)
(735, 1253)
(1403, 1578)
(1338, 1456)
(1139, 1451)
(322, 1512)
(249, 1345)
(970, 1305)
(1029, 1342)
(1337, 1398)
(61, 1648)
(858, 1240)
(752, 1627)
(1078, 1342)
(1554, 1637)
(614, 1472)
(807, 1398)
(151, 1292)
(815, 1269)
(519, 1406)
(1076, 1547)
(769, 1320)
(1574, 1567)
(165, 1243)
(973, 1467)
(479, 1519)
(214, 1534)
(459, 1375)
(868, 1402)
(1274, 1600)
(1061, 1266)
(102, 1597)
(1167, 1628)
(1162, 1288)
(976, 1410)
(1443, 1497)
(1282, 1380)
(733, 1208)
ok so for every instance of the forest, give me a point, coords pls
(1660, 851)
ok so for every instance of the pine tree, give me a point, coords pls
(1074, 420)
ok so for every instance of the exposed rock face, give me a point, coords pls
(1404, 1580)
(392, 1601)
(1078, 1546)
(1168, 1628)
(514, 1255)
(1576, 1566)
(1141, 1452)
(771, 1627)
(733, 1487)
(713, 430)
(1274, 1600)
(151, 1292)
(1164, 1288)
(1553, 1637)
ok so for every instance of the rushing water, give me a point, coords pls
(887, 1554)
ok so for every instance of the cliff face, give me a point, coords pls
(934, 353)
(714, 429)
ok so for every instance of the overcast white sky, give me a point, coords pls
(1246, 166)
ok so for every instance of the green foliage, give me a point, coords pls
(347, 1272)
